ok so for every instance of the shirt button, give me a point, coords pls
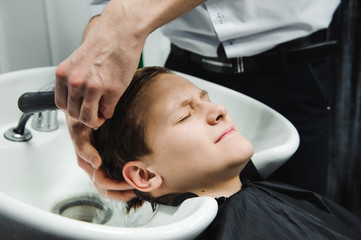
(220, 18)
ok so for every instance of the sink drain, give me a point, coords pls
(88, 208)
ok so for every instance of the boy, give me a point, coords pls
(169, 141)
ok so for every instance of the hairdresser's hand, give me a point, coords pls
(90, 161)
(90, 82)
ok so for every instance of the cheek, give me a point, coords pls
(183, 145)
(186, 142)
(177, 159)
(185, 134)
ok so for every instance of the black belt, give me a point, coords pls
(296, 52)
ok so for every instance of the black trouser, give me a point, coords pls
(300, 93)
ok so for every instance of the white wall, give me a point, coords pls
(156, 49)
(35, 33)
(23, 35)
(67, 20)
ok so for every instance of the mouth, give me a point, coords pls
(225, 134)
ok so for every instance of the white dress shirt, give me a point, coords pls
(247, 27)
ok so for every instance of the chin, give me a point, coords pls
(243, 149)
(247, 148)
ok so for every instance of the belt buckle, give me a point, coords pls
(216, 66)
(236, 65)
(239, 65)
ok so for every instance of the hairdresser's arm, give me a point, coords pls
(90, 82)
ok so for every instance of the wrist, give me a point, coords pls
(125, 18)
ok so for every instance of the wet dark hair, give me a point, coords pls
(122, 138)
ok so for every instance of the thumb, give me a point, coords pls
(81, 137)
(89, 154)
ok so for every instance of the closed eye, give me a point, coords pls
(185, 118)
(189, 102)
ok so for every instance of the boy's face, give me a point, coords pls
(194, 142)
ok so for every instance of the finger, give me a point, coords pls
(112, 188)
(89, 154)
(61, 89)
(87, 167)
(80, 135)
(120, 195)
(89, 112)
(107, 105)
(101, 180)
(124, 192)
(104, 182)
(123, 196)
(107, 187)
(74, 102)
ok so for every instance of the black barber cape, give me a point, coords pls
(268, 210)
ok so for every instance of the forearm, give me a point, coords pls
(145, 16)
(134, 20)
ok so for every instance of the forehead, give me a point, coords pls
(170, 87)
(164, 95)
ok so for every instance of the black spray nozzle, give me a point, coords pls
(32, 102)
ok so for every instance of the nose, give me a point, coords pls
(216, 113)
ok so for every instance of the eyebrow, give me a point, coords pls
(186, 102)
(203, 93)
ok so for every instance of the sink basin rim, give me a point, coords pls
(59, 225)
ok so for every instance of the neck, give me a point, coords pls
(226, 189)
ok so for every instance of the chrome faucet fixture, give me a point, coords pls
(42, 106)
(19, 133)
(45, 121)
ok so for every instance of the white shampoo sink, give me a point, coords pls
(38, 175)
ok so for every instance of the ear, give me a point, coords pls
(140, 177)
